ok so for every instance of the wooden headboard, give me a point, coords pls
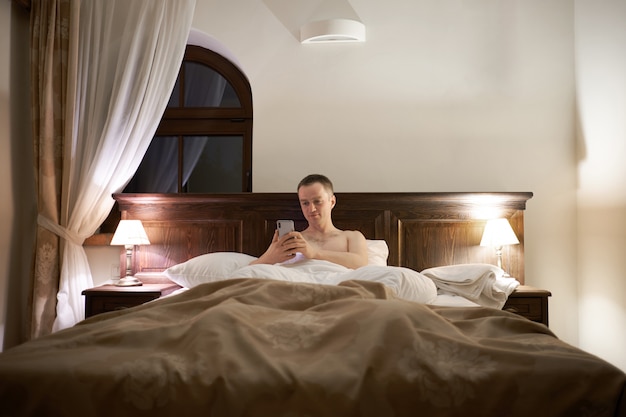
(422, 230)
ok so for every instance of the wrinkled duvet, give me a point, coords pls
(261, 347)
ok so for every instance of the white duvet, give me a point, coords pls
(406, 283)
(474, 284)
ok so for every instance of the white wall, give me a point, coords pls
(444, 96)
(601, 95)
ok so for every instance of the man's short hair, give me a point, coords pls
(315, 178)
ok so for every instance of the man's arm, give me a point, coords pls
(279, 251)
(285, 248)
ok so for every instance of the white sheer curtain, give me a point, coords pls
(124, 64)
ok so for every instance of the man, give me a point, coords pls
(321, 239)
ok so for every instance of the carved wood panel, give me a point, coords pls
(177, 241)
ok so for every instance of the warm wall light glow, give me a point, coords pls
(484, 212)
(129, 233)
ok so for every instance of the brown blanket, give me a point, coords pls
(253, 347)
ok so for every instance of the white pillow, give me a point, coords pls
(210, 267)
(377, 252)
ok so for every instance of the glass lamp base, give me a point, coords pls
(128, 281)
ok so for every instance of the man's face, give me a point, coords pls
(316, 203)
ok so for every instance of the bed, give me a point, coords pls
(235, 342)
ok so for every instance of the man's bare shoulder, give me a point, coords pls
(353, 234)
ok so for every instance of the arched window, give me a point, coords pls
(204, 141)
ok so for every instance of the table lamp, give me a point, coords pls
(129, 233)
(497, 233)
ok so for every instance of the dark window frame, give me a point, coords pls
(223, 121)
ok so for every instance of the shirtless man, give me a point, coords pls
(321, 239)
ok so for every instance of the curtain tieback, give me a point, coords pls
(59, 230)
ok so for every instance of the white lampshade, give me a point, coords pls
(332, 30)
(130, 232)
(498, 233)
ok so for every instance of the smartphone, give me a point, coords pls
(284, 227)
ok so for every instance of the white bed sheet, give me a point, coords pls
(450, 300)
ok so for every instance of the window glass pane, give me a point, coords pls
(175, 96)
(230, 98)
(215, 164)
(205, 87)
(158, 171)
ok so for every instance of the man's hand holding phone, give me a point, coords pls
(284, 227)
(290, 244)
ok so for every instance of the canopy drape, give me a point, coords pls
(122, 63)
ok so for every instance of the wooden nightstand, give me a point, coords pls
(529, 302)
(110, 297)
